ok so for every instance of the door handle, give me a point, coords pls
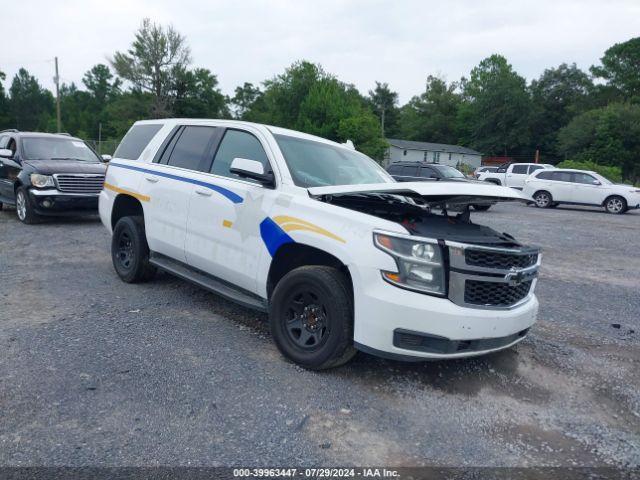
(151, 179)
(204, 193)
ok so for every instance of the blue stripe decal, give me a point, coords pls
(273, 236)
(234, 197)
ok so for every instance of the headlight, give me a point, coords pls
(40, 181)
(420, 264)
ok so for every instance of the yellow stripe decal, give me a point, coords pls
(290, 224)
(113, 188)
(227, 223)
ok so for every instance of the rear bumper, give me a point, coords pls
(52, 202)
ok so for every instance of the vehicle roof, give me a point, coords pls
(570, 170)
(421, 163)
(41, 134)
(240, 123)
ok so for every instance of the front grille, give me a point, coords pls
(495, 294)
(505, 261)
(76, 183)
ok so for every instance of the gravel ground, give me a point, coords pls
(97, 372)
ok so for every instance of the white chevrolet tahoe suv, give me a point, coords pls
(340, 255)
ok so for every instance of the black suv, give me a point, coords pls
(423, 171)
(49, 174)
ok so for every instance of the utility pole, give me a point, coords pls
(57, 80)
(99, 138)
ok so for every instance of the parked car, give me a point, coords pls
(512, 175)
(423, 171)
(341, 256)
(48, 174)
(479, 170)
(550, 188)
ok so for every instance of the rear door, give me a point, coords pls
(561, 186)
(223, 227)
(516, 175)
(169, 183)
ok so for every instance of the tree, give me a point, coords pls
(30, 104)
(607, 136)
(5, 116)
(157, 55)
(621, 68)
(244, 98)
(384, 103)
(558, 95)
(494, 118)
(198, 95)
(432, 115)
(100, 86)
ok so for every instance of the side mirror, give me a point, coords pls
(6, 153)
(596, 182)
(245, 168)
(106, 158)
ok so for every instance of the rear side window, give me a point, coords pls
(238, 144)
(410, 171)
(136, 140)
(561, 176)
(192, 148)
(520, 169)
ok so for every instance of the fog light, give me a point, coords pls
(46, 203)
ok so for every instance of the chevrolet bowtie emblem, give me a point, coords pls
(516, 278)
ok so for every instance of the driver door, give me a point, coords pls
(9, 169)
(584, 190)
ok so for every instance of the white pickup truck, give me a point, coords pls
(512, 175)
(340, 255)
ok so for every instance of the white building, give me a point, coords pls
(410, 151)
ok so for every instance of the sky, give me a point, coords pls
(399, 42)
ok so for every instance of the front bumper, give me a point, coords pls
(53, 202)
(383, 313)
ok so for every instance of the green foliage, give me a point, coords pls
(384, 102)
(245, 97)
(5, 115)
(557, 96)
(30, 104)
(606, 136)
(198, 95)
(432, 115)
(494, 118)
(612, 173)
(621, 68)
(156, 57)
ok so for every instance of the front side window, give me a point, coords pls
(192, 147)
(238, 144)
(318, 164)
(427, 172)
(56, 148)
(522, 169)
(584, 178)
(410, 171)
(450, 172)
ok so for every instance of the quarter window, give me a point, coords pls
(238, 144)
(192, 148)
(136, 140)
(544, 175)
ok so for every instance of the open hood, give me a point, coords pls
(435, 194)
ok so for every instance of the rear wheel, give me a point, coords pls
(615, 205)
(130, 252)
(543, 199)
(311, 317)
(481, 208)
(24, 208)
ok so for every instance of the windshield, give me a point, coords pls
(603, 180)
(52, 148)
(450, 172)
(316, 164)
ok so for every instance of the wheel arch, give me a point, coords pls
(293, 255)
(609, 197)
(494, 180)
(123, 206)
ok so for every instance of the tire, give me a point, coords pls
(130, 251)
(311, 317)
(615, 205)
(542, 199)
(481, 208)
(24, 208)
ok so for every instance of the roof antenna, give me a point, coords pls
(349, 144)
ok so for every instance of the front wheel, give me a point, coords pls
(615, 205)
(24, 208)
(311, 317)
(543, 199)
(130, 252)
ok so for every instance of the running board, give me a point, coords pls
(208, 282)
